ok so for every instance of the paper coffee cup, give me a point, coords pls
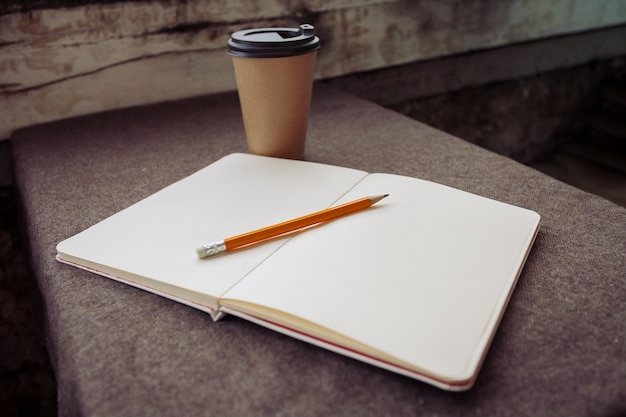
(274, 69)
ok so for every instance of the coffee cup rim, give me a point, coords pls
(273, 42)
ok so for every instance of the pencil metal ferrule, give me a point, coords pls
(215, 247)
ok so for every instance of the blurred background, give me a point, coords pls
(540, 82)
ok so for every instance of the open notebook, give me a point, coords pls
(416, 284)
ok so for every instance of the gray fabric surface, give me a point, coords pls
(120, 351)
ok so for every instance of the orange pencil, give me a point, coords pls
(259, 235)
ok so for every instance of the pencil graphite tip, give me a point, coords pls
(377, 198)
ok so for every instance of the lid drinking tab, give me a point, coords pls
(273, 42)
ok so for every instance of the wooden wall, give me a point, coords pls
(66, 61)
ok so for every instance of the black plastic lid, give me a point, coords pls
(273, 42)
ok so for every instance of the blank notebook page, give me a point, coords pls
(423, 274)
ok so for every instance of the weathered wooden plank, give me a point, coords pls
(46, 46)
(163, 77)
(64, 62)
(42, 66)
(365, 38)
(50, 45)
(131, 18)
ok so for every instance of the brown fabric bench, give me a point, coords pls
(120, 351)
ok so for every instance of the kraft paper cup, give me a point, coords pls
(274, 69)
